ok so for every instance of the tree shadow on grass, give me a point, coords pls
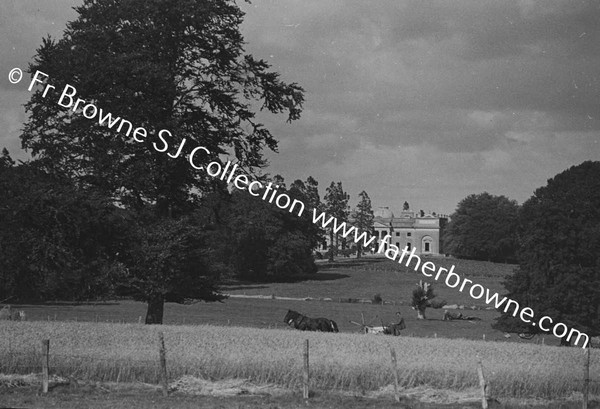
(64, 303)
(322, 276)
(260, 284)
(243, 286)
(348, 263)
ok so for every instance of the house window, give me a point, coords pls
(408, 246)
(426, 244)
(397, 233)
(397, 244)
(408, 234)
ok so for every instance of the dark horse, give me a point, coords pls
(304, 323)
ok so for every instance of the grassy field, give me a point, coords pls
(347, 278)
(269, 314)
(363, 278)
(128, 352)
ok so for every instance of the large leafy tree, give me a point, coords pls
(336, 205)
(57, 241)
(178, 66)
(172, 261)
(559, 268)
(363, 217)
(270, 244)
(483, 227)
(308, 193)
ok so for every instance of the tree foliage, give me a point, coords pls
(178, 66)
(336, 205)
(483, 227)
(57, 241)
(559, 261)
(308, 193)
(363, 217)
(172, 262)
(269, 243)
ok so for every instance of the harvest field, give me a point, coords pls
(128, 352)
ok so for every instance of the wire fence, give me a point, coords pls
(60, 367)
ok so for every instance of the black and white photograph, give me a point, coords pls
(300, 204)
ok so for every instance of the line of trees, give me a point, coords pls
(558, 271)
(553, 238)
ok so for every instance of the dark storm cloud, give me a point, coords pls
(480, 92)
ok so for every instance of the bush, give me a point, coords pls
(377, 299)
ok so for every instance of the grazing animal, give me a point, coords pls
(6, 313)
(296, 320)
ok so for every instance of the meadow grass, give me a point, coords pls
(129, 352)
(363, 278)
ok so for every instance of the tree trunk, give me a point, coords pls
(331, 245)
(156, 306)
(358, 251)
(421, 313)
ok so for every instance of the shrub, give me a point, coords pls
(377, 299)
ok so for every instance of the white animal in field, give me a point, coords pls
(374, 330)
(6, 313)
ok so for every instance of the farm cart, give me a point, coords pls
(390, 329)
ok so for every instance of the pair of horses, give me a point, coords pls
(302, 322)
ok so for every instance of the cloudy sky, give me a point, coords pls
(423, 101)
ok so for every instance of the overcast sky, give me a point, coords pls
(423, 101)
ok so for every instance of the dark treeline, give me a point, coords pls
(63, 242)
(554, 240)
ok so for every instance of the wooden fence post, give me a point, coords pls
(395, 370)
(45, 363)
(306, 376)
(482, 384)
(163, 364)
(586, 377)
